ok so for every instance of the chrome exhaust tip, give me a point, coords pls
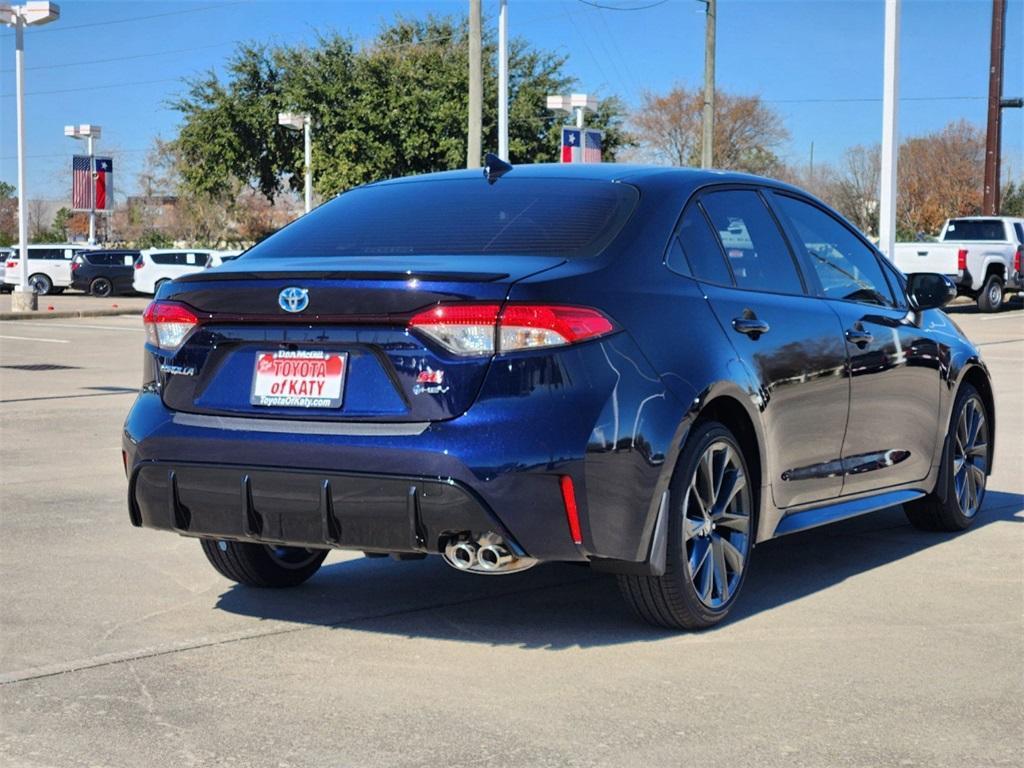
(461, 554)
(494, 557)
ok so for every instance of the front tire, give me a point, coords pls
(992, 294)
(710, 534)
(966, 470)
(262, 565)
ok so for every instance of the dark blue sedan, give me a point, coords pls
(649, 370)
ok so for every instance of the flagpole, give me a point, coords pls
(92, 195)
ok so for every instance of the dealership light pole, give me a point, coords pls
(88, 132)
(503, 80)
(299, 122)
(890, 135)
(21, 16)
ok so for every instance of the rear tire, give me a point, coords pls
(101, 287)
(710, 533)
(40, 283)
(992, 294)
(965, 472)
(262, 565)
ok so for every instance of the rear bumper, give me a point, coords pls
(306, 508)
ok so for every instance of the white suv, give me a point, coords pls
(158, 265)
(49, 266)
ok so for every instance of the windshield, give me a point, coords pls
(566, 217)
(975, 229)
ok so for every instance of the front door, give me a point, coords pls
(893, 429)
(790, 342)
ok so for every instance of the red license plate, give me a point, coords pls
(299, 379)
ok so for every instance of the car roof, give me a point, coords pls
(176, 250)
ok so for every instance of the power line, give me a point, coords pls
(69, 153)
(124, 58)
(68, 28)
(94, 87)
(623, 7)
(869, 100)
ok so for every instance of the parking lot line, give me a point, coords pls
(33, 338)
(51, 324)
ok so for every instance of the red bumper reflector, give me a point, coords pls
(571, 513)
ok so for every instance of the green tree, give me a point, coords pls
(1011, 200)
(395, 107)
(8, 214)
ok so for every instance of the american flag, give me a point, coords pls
(81, 183)
(581, 146)
(592, 147)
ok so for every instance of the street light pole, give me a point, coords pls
(890, 137)
(23, 299)
(476, 88)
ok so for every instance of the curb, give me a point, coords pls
(66, 314)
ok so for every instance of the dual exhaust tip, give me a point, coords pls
(486, 555)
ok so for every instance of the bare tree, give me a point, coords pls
(747, 132)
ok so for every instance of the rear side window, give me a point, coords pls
(1019, 229)
(165, 258)
(975, 229)
(846, 267)
(571, 218)
(701, 247)
(754, 247)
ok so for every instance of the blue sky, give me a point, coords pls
(819, 62)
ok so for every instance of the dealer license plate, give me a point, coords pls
(299, 379)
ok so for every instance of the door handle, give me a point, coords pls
(750, 326)
(859, 336)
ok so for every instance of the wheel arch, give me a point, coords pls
(977, 377)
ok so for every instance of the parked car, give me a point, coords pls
(5, 253)
(49, 266)
(645, 370)
(982, 254)
(157, 266)
(104, 272)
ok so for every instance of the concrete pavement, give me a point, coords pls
(865, 643)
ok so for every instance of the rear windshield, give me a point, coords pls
(567, 217)
(974, 229)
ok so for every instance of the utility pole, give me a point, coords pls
(890, 136)
(993, 136)
(503, 81)
(476, 88)
(707, 146)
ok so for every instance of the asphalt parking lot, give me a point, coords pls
(867, 643)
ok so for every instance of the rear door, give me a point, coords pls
(894, 365)
(790, 342)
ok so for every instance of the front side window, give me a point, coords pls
(846, 267)
(756, 251)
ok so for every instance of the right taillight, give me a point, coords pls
(167, 323)
(11, 264)
(140, 263)
(961, 259)
(1017, 258)
(483, 329)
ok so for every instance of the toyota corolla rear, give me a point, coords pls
(381, 376)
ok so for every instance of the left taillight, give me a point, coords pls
(483, 329)
(167, 323)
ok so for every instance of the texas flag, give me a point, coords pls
(103, 175)
(571, 152)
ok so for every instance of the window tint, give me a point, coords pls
(1019, 229)
(563, 217)
(676, 259)
(846, 267)
(759, 257)
(701, 247)
(975, 229)
(168, 258)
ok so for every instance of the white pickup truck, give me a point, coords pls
(981, 254)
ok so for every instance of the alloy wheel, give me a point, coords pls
(292, 557)
(716, 524)
(970, 456)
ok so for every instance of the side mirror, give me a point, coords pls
(929, 290)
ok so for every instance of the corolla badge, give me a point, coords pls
(293, 299)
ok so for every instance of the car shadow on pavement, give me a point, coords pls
(558, 606)
(1015, 302)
